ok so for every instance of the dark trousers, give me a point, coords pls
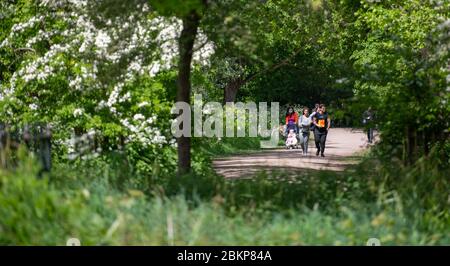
(370, 134)
(320, 138)
(291, 126)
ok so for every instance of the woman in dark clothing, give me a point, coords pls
(322, 124)
(291, 120)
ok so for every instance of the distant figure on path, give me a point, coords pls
(322, 124)
(368, 117)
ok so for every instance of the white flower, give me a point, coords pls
(91, 133)
(142, 104)
(102, 40)
(33, 106)
(125, 97)
(138, 117)
(78, 112)
(154, 69)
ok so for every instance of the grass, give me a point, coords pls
(229, 146)
(316, 208)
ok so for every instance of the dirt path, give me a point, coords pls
(342, 147)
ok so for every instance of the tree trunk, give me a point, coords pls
(411, 145)
(231, 90)
(234, 85)
(186, 44)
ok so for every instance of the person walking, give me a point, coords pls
(368, 117)
(322, 122)
(314, 110)
(305, 122)
(291, 120)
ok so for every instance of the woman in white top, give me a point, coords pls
(304, 123)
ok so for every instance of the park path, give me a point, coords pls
(342, 149)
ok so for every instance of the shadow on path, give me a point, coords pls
(341, 150)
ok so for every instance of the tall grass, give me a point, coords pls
(88, 201)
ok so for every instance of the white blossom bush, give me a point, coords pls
(91, 65)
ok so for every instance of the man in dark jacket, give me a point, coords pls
(322, 122)
(368, 118)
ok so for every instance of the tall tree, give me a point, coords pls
(186, 45)
(255, 38)
(190, 12)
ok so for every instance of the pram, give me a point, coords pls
(292, 137)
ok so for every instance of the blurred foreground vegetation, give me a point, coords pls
(102, 203)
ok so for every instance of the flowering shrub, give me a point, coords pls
(89, 70)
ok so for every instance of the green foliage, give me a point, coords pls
(84, 201)
(391, 55)
(398, 73)
(178, 8)
(226, 146)
(34, 213)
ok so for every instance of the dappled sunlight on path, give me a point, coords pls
(342, 149)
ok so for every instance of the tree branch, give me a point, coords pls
(273, 67)
(24, 49)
